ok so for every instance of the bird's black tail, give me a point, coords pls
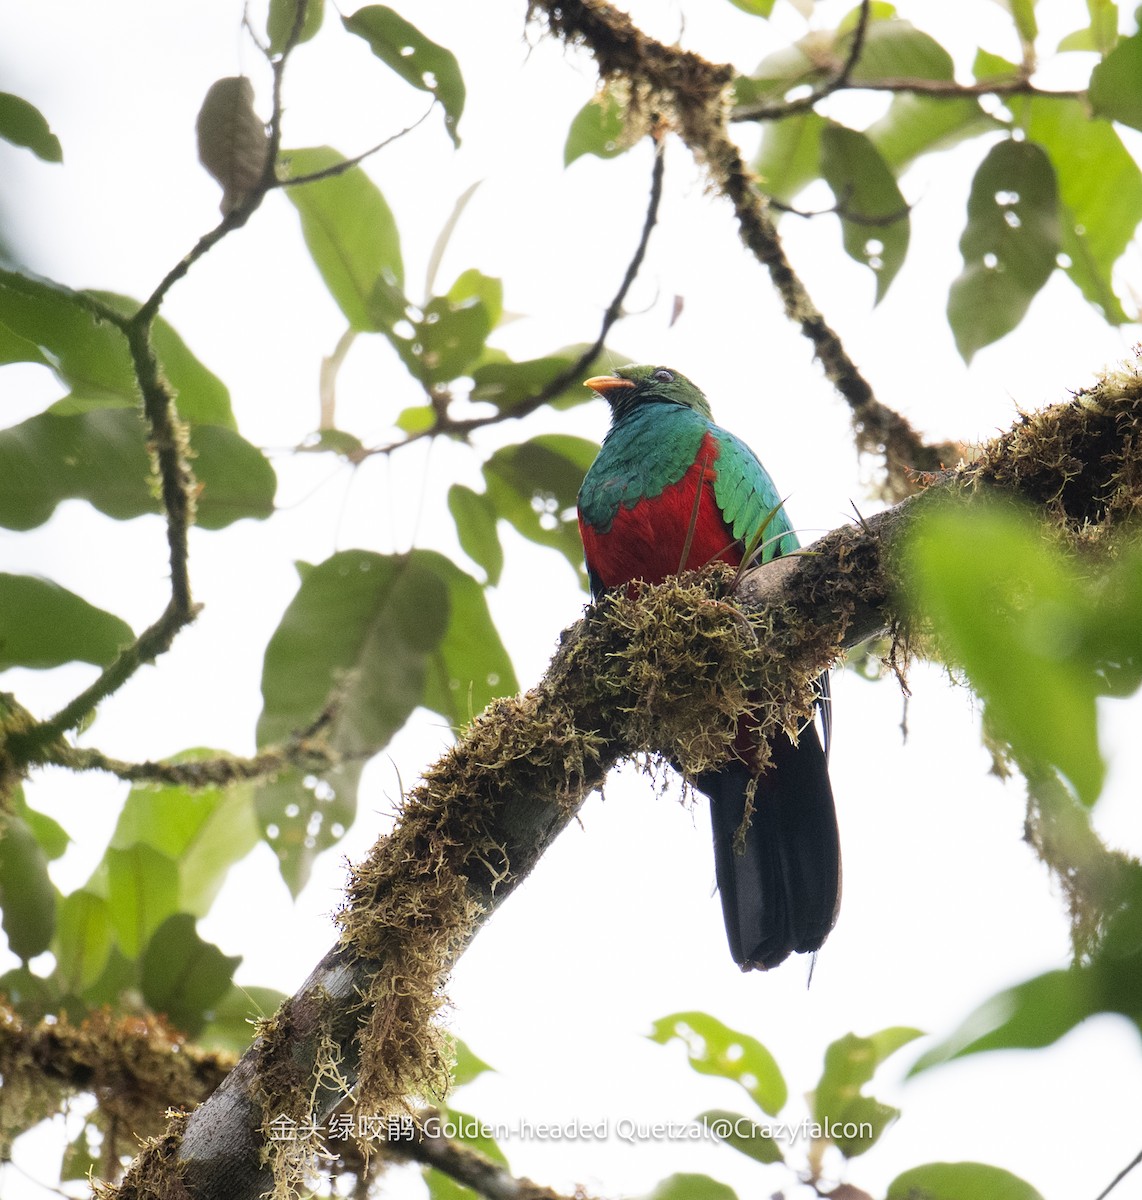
(781, 894)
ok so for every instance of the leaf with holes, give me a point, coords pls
(874, 214)
(447, 337)
(1010, 244)
(716, 1049)
(379, 634)
(415, 58)
(598, 128)
(838, 1101)
(1100, 193)
(358, 630)
(534, 486)
(352, 236)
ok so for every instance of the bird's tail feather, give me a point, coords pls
(781, 894)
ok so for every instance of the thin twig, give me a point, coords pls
(841, 210)
(574, 372)
(341, 167)
(1120, 1177)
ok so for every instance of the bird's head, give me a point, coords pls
(632, 386)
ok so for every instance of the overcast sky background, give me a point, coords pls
(619, 925)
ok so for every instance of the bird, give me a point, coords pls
(670, 491)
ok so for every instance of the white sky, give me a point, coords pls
(943, 903)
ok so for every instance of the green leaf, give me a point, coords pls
(874, 214)
(470, 1131)
(281, 18)
(1114, 91)
(853, 1121)
(896, 49)
(101, 456)
(27, 894)
(475, 518)
(385, 633)
(23, 124)
(469, 667)
(182, 976)
(755, 8)
(232, 1021)
(1041, 1010)
(1023, 12)
(685, 1186)
(598, 128)
(789, 157)
(475, 285)
(83, 941)
(43, 625)
(142, 891)
(415, 58)
(468, 1065)
(32, 996)
(205, 831)
(416, 419)
(51, 835)
(534, 486)
(235, 479)
(361, 626)
(960, 1181)
(1009, 246)
(716, 1049)
(352, 236)
(447, 338)
(1014, 614)
(90, 356)
(916, 125)
(991, 68)
(780, 72)
(1100, 35)
(743, 1134)
(1100, 193)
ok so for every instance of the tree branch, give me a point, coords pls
(485, 813)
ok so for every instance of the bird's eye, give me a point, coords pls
(663, 375)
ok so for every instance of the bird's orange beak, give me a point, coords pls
(604, 384)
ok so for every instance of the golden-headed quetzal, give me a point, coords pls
(667, 477)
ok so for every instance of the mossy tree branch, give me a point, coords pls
(485, 813)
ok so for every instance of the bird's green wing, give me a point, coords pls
(748, 499)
